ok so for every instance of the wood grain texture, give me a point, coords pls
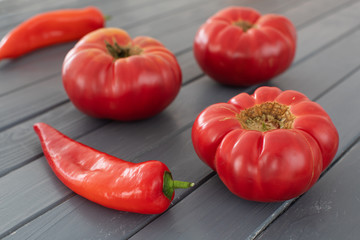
(329, 210)
(303, 15)
(19, 203)
(211, 212)
(341, 103)
(320, 33)
(31, 101)
(35, 205)
(321, 71)
(15, 13)
(23, 72)
(19, 145)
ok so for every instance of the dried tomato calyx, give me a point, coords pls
(266, 116)
(245, 25)
(117, 51)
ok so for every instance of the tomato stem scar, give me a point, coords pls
(266, 116)
(117, 51)
(244, 25)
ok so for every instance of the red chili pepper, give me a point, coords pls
(146, 187)
(50, 28)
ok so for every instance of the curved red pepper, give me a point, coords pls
(145, 187)
(49, 28)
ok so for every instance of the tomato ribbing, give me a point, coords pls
(238, 46)
(269, 146)
(109, 75)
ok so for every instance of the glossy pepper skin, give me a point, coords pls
(268, 146)
(50, 28)
(145, 188)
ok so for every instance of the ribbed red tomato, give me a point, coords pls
(269, 146)
(109, 75)
(239, 46)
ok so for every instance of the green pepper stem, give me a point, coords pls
(170, 185)
(181, 184)
(107, 18)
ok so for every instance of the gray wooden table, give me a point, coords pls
(34, 204)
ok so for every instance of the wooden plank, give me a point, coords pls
(40, 65)
(19, 145)
(326, 30)
(189, 67)
(302, 14)
(180, 19)
(315, 75)
(15, 12)
(48, 222)
(18, 203)
(342, 103)
(31, 101)
(211, 212)
(153, 12)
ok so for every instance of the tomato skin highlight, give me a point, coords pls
(275, 160)
(244, 55)
(130, 88)
(50, 28)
